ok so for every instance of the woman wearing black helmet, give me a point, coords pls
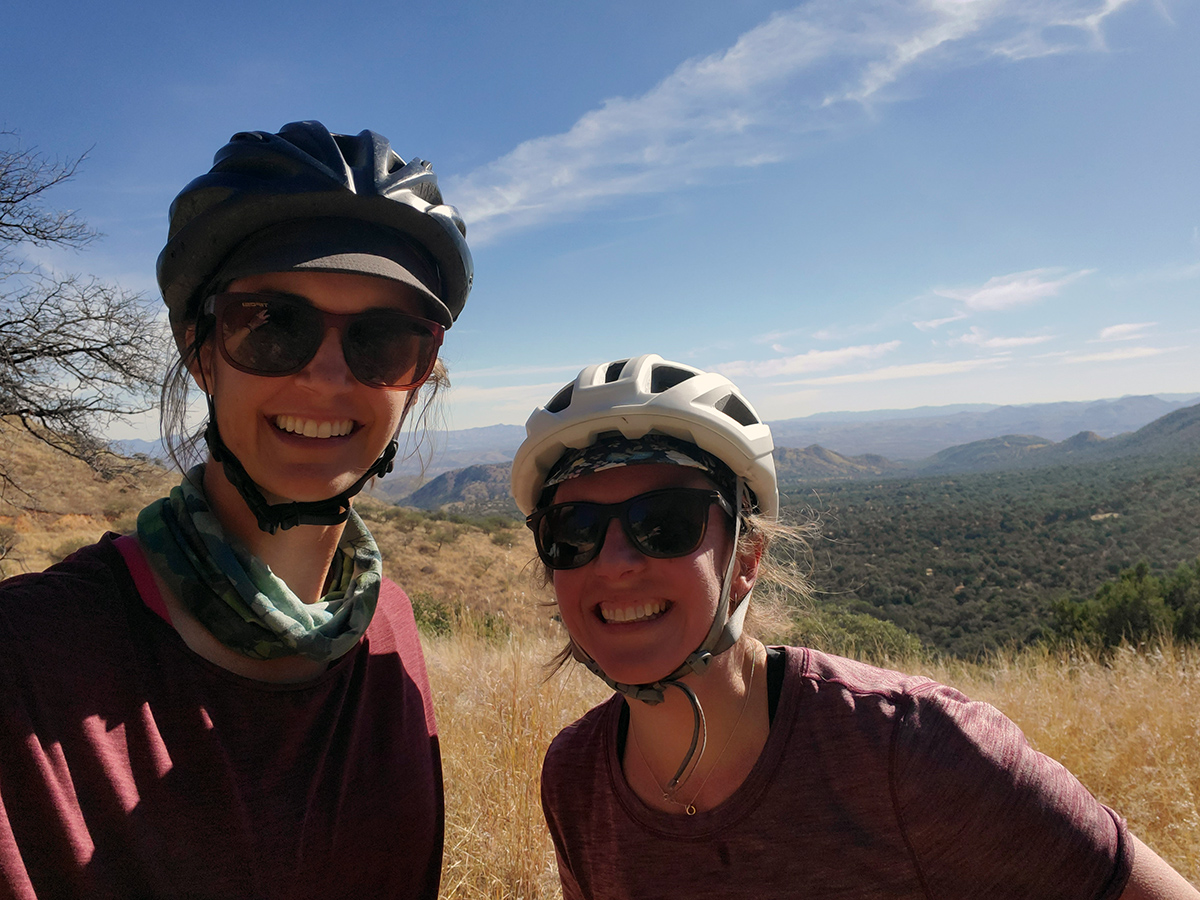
(233, 703)
(723, 768)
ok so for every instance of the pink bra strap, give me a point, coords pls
(143, 578)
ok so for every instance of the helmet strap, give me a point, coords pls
(272, 517)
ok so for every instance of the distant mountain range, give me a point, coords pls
(919, 433)
(483, 489)
(928, 440)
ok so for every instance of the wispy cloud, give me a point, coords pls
(934, 324)
(912, 370)
(812, 361)
(1004, 292)
(1118, 355)
(977, 337)
(1127, 332)
(801, 72)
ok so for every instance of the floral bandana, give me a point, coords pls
(236, 596)
(614, 450)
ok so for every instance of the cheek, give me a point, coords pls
(392, 406)
(568, 593)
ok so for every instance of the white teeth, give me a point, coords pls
(313, 428)
(632, 613)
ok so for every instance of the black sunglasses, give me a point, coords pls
(663, 524)
(279, 334)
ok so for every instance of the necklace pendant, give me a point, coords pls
(691, 809)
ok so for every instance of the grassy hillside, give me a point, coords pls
(55, 503)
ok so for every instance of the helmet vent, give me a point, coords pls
(736, 410)
(663, 378)
(613, 372)
(561, 400)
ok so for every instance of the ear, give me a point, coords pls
(200, 366)
(748, 562)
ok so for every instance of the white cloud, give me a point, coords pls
(799, 73)
(912, 370)
(977, 337)
(1126, 332)
(1118, 355)
(932, 324)
(1004, 292)
(812, 361)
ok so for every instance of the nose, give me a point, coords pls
(617, 555)
(328, 366)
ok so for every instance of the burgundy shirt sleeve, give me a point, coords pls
(981, 809)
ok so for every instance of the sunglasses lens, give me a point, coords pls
(390, 349)
(662, 524)
(266, 334)
(667, 524)
(269, 336)
(569, 535)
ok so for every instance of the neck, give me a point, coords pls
(300, 556)
(736, 721)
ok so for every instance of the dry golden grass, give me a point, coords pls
(496, 717)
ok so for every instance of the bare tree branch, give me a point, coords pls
(25, 175)
(75, 353)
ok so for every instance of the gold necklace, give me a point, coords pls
(669, 796)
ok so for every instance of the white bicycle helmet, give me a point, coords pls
(642, 395)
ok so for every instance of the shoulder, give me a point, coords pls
(831, 690)
(393, 634)
(923, 718)
(94, 563)
(75, 632)
(836, 673)
(580, 747)
(69, 594)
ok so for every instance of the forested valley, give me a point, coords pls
(977, 562)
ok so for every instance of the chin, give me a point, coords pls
(306, 490)
(639, 671)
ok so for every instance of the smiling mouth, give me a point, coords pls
(313, 428)
(640, 613)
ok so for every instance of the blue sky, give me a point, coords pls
(842, 205)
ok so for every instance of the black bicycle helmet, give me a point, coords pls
(259, 180)
(266, 197)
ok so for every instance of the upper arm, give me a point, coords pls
(1152, 878)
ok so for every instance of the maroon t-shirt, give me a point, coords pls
(872, 784)
(131, 767)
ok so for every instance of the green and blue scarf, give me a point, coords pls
(235, 595)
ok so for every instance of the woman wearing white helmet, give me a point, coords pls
(722, 768)
(233, 702)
